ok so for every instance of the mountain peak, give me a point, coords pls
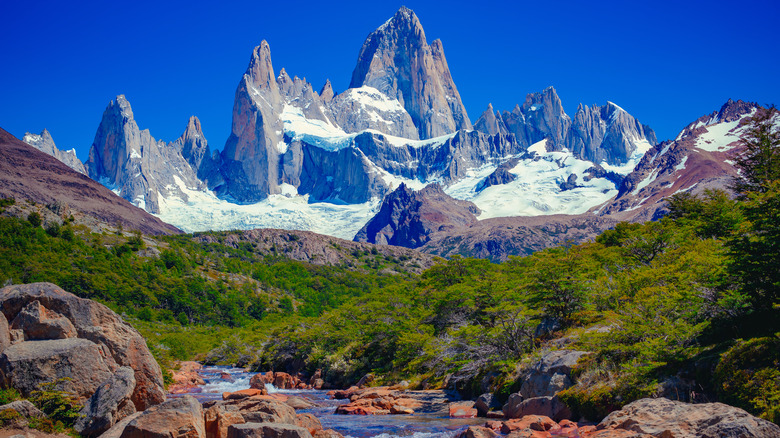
(193, 127)
(397, 60)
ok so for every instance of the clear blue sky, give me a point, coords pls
(666, 62)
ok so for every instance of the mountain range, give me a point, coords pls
(394, 159)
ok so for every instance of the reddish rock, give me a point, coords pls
(284, 381)
(257, 381)
(494, 425)
(478, 432)
(463, 410)
(217, 421)
(244, 393)
(532, 422)
(327, 433)
(180, 418)
(267, 430)
(310, 422)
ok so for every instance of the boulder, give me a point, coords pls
(537, 423)
(551, 407)
(98, 324)
(243, 393)
(5, 333)
(257, 381)
(109, 404)
(117, 429)
(267, 430)
(485, 403)
(180, 418)
(26, 365)
(551, 374)
(24, 408)
(187, 374)
(217, 421)
(39, 323)
(463, 410)
(284, 381)
(661, 417)
(255, 410)
(310, 422)
(478, 432)
(299, 403)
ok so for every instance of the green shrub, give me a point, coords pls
(10, 418)
(34, 219)
(748, 376)
(58, 405)
(8, 395)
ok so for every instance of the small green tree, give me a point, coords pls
(555, 286)
(34, 219)
(759, 157)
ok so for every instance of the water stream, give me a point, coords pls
(355, 426)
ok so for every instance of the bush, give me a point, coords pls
(9, 395)
(748, 377)
(59, 406)
(34, 219)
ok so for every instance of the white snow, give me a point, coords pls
(536, 190)
(681, 166)
(134, 154)
(719, 137)
(645, 182)
(642, 146)
(204, 211)
(372, 99)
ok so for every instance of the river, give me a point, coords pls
(355, 426)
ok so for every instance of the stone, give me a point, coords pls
(25, 408)
(38, 323)
(118, 343)
(299, 403)
(309, 421)
(284, 381)
(243, 393)
(267, 430)
(45, 143)
(478, 432)
(462, 410)
(187, 374)
(118, 428)
(485, 403)
(180, 417)
(257, 381)
(109, 404)
(217, 421)
(5, 334)
(547, 406)
(550, 374)
(327, 433)
(661, 417)
(26, 365)
(532, 422)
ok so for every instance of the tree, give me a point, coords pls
(755, 249)
(759, 158)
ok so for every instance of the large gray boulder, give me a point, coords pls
(553, 407)
(180, 417)
(550, 374)
(24, 408)
(26, 365)
(661, 417)
(109, 404)
(104, 342)
(5, 333)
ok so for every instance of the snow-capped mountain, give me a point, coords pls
(45, 143)
(324, 161)
(701, 157)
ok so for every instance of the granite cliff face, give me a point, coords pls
(139, 168)
(598, 134)
(45, 144)
(397, 60)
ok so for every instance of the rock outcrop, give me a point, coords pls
(45, 143)
(180, 417)
(407, 218)
(109, 404)
(661, 417)
(397, 60)
(103, 344)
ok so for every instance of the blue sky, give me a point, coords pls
(666, 62)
